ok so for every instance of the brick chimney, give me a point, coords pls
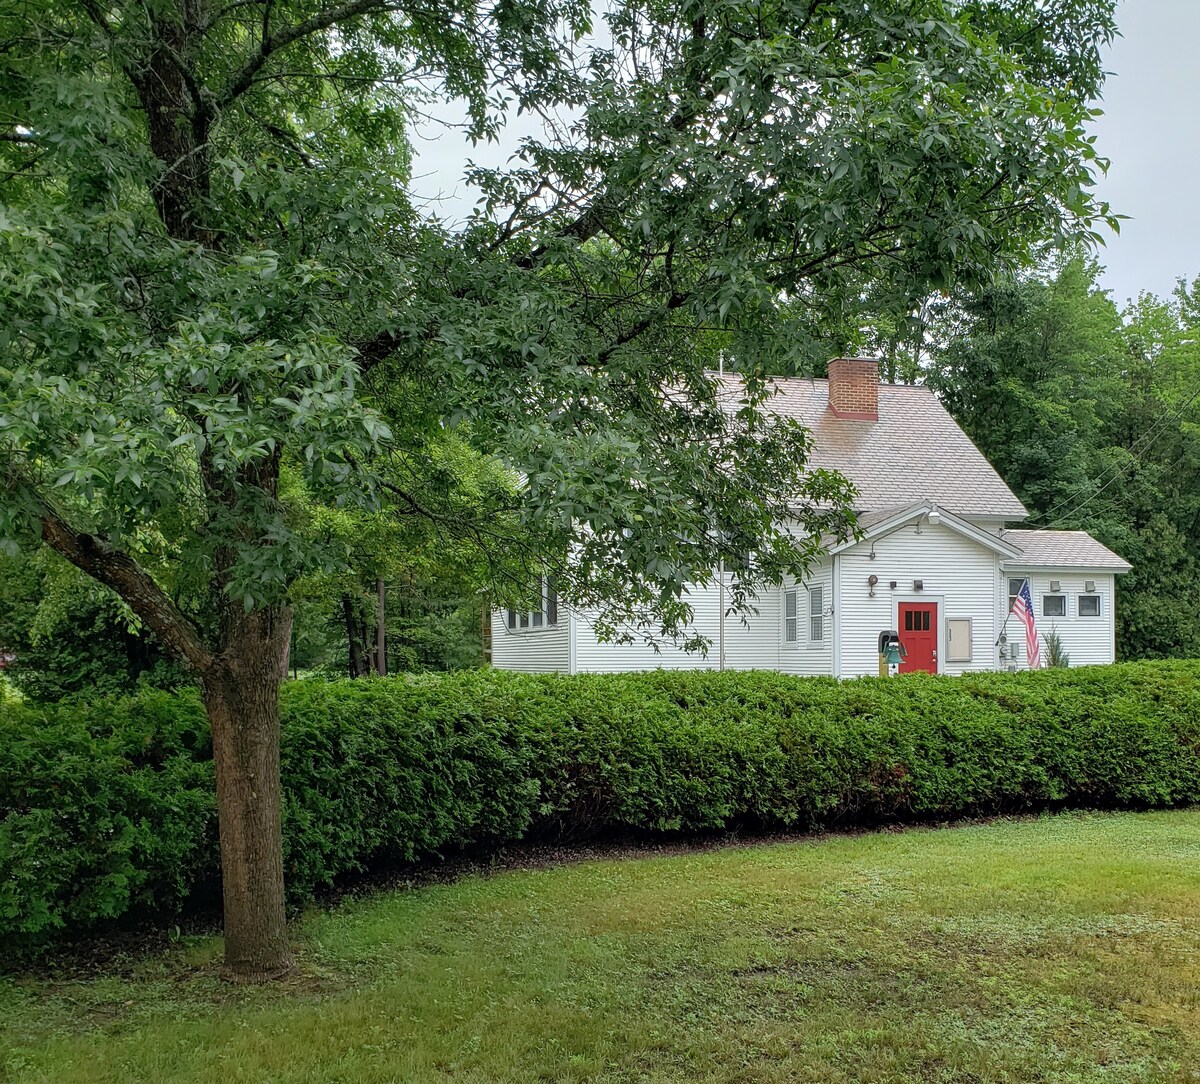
(854, 388)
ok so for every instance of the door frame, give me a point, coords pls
(938, 602)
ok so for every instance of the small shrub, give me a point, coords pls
(107, 808)
(1056, 653)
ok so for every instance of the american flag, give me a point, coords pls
(1023, 608)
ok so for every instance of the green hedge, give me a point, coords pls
(108, 809)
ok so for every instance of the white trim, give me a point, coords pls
(571, 626)
(836, 591)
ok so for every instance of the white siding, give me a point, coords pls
(956, 572)
(1086, 639)
(806, 656)
(532, 651)
(754, 645)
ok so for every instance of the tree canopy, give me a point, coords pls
(212, 273)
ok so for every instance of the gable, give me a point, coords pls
(887, 522)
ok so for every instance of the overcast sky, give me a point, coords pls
(1150, 131)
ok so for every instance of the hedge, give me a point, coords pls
(108, 808)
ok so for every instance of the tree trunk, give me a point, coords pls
(381, 630)
(241, 694)
(354, 666)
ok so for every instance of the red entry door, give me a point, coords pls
(919, 635)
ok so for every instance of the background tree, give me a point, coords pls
(1091, 415)
(210, 272)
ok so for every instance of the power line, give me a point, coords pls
(1136, 450)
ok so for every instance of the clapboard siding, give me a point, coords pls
(751, 645)
(1087, 640)
(532, 651)
(955, 571)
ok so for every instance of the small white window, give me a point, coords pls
(1089, 605)
(1054, 605)
(816, 614)
(791, 621)
(1014, 589)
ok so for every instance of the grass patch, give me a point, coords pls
(1062, 949)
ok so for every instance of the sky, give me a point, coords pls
(1150, 132)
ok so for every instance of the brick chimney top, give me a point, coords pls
(854, 388)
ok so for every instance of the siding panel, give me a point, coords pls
(749, 646)
(531, 651)
(955, 571)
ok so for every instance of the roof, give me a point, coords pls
(1064, 549)
(914, 452)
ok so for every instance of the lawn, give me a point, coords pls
(1065, 948)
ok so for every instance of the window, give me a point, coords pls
(1054, 605)
(791, 619)
(816, 614)
(1089, 605)
(546, 615)
(1014, 589)
(916, 620)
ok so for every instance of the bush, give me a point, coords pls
(108, 808)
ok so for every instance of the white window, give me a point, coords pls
(1054, 605)
(816, 614)
(791, 617)
(547, 614)
(1014, 589)
(1089, 605)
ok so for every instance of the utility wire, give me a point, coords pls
(1136, 450)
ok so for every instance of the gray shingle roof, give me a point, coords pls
(914, 452)
(1064, 549)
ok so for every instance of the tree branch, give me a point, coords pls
(241, 82)
(117, 570)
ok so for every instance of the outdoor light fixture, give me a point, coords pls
(1089, 586)
(918, 585)
(1055, 586)
(935, 517)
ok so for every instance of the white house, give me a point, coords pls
(936, 561)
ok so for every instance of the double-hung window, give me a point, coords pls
(816, 614)
(545, 615)
(791, 616)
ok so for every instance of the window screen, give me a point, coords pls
(816, 614)
(791, 623)
(1054, 605)
(1089, 605)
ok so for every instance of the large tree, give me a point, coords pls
(211, 269)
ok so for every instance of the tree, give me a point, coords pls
(1092, 416)
(67, 634)
(211, 272)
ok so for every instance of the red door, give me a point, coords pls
(919, 635)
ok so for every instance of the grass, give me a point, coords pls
(1062, 949)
